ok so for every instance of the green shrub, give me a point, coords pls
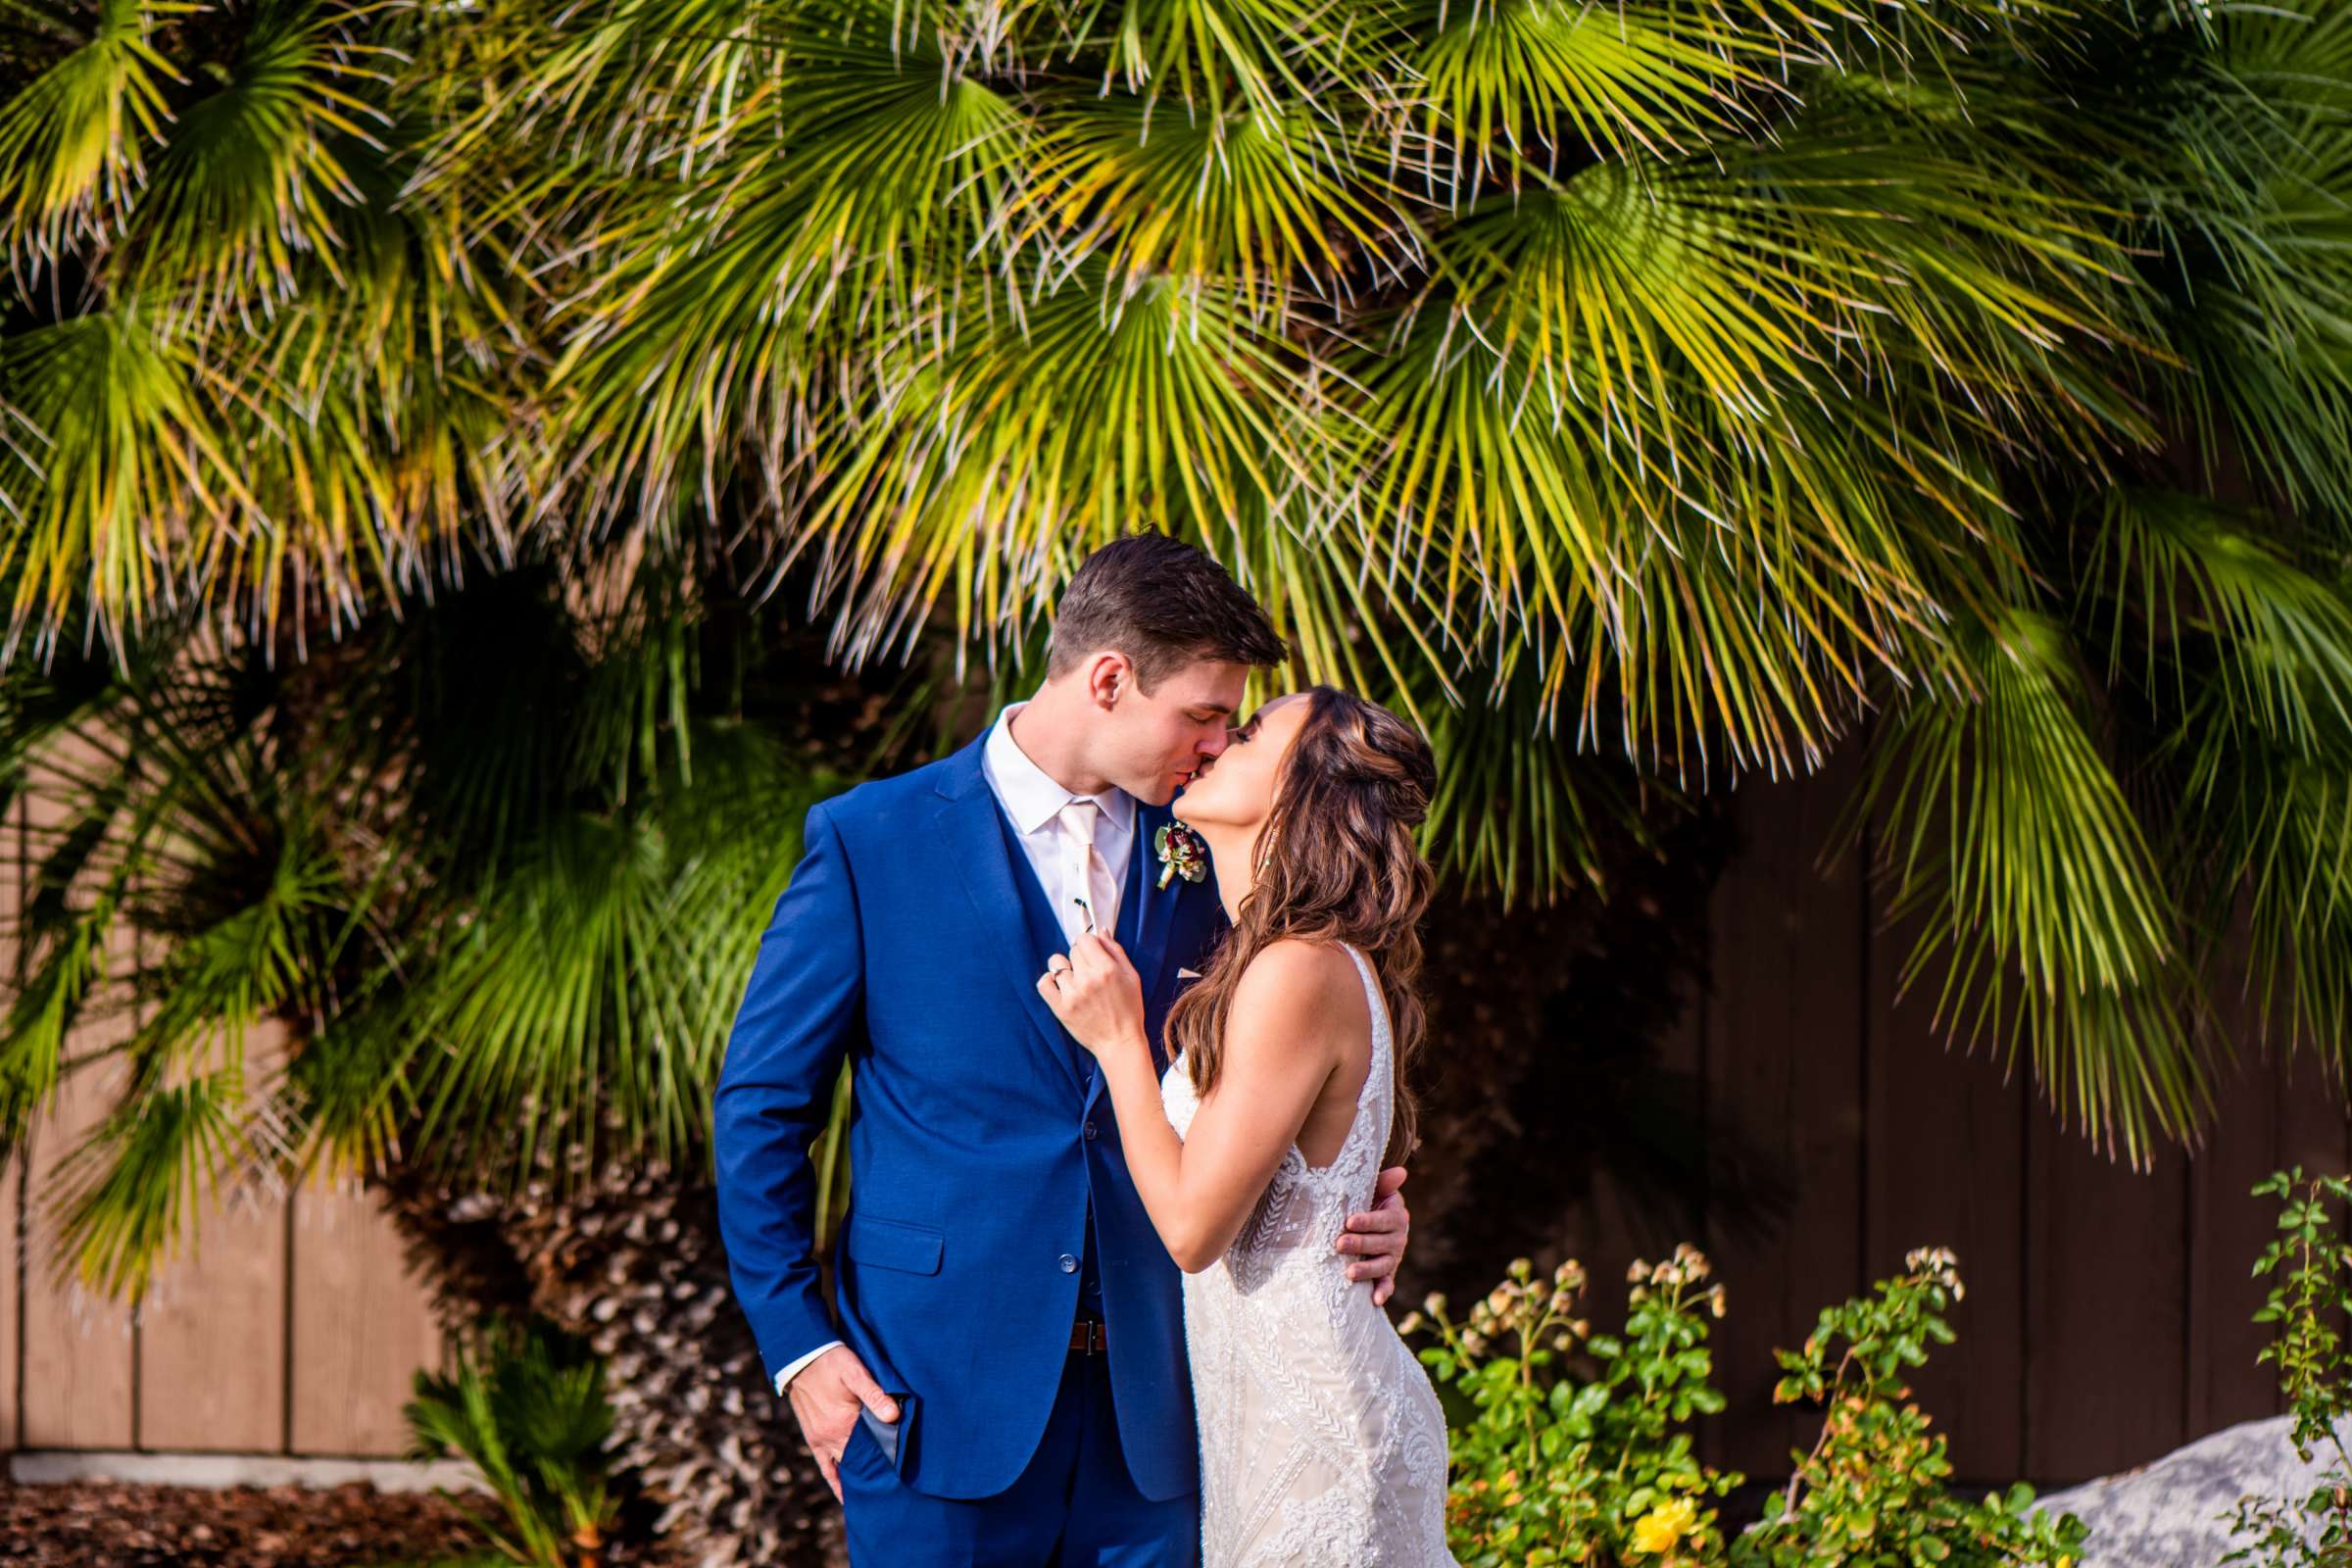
(1555, 1468)
(1872, 1489)
(526, 1404)
(2313, 1291)
(1580, 1446)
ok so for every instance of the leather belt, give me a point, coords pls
(1086, 1336)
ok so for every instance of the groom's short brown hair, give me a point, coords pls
(1163, 604)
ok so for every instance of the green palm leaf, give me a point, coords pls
(2047, 912)
(71, 141)
(249, 175)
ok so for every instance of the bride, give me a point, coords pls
(1322, 1444)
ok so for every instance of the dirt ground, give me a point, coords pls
(112, 1524)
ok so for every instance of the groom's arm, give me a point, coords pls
(792, 1032)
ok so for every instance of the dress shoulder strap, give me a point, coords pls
(1378, 1002)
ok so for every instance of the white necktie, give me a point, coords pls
(1085, 875)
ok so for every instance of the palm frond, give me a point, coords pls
(249, 175)
(72, 142)
(130, 479)
(593, 992)
(2047, 912)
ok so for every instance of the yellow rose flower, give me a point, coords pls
(1660, 1529)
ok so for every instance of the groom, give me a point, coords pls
(1004, 1379)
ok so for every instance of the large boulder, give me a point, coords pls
(2176, 1512)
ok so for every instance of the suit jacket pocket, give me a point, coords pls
(895, 1243)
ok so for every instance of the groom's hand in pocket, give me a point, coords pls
(1375, 1239)
(826, 1395)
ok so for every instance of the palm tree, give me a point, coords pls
(1640, 396)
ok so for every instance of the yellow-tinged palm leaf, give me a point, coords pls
(1535, 80)
(988, 464)
(700, 320)
(71, 142)
(1273, 195)
(1215, 58)
(250, 177)
(128, 485)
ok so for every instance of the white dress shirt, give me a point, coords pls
(1032, 799)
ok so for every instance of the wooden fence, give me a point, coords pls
(2107, 1314)
(2106, 1319)
(290, 1328)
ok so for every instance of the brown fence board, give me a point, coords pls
(2227, 1227)
(2107, 1316)
(363, 1324)
(12, 1171)
(79, 1350)
(212, 1331)
(1783, 1063)
(12, 1189)
(1946, 1150)
(2104, 1374)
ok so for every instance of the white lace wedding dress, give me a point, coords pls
(1322, 1444)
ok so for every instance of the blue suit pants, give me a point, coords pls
(1074, 1506)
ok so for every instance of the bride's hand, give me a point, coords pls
(1095, 994)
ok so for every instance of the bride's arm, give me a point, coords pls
(1280, 1048)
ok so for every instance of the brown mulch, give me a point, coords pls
(113, 1524)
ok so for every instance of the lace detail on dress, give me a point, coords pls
(1322, 1444)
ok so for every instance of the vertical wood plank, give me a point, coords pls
(363, 1325)
(9, 1319)
(1610, 1232)
(2105, 1378)
(1946, 1141)
(212, 1331)
(2227, 1226)
(2311, 1123)
(12, 1328)
(1784, 1055)
(12, 1174)
(80, 1350)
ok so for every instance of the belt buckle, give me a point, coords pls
(1087, 1337)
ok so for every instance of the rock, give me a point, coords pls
(2176, 1512)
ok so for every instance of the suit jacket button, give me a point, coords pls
(1069, 1264)
(1090, 1132)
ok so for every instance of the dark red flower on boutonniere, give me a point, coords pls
(1180, 849)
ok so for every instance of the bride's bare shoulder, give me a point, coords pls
(1293, 972)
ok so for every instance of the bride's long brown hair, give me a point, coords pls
(1335, 860)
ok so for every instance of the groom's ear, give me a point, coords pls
(1110, 677)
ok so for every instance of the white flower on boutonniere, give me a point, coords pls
(1180, 849)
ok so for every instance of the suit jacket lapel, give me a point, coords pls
(1146, 937)
(974, 844)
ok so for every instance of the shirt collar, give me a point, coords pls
(1028, 791)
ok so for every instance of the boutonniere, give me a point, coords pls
(1179, 849)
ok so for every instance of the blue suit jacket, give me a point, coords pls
(909, 941)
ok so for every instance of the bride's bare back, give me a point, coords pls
(1322, 1444)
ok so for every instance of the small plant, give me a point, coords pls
(1580, 1449)
(526, 1404)
(1556, 1468)
(2313, 1291)
(1872, 1489)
